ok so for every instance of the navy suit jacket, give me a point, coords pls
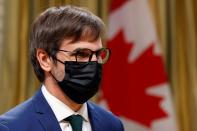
(35, 114)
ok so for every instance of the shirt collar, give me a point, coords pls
(60, 109)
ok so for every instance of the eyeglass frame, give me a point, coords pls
(92, 53)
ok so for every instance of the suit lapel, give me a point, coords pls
(94, 118)
(44, 113)
(48, 120)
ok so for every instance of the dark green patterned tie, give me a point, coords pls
(76, 122)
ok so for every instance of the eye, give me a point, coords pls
(84, 53)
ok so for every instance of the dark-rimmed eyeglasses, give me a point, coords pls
(85, 55)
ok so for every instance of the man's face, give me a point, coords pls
(59, 69)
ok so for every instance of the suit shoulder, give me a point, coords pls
(18, 113)
(3, 127)
(107, 118)
(101, 110)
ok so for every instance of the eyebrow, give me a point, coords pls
(84, 48)
(78, 49)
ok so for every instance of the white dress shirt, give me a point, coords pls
(62, 111)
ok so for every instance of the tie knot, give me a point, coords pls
(76, 122)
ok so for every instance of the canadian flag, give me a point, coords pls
(135, 85)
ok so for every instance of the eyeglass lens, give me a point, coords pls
(85, 55)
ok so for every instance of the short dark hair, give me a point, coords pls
(55, 24)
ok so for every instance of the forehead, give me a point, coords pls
(67, 44)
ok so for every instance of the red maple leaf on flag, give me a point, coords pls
(125, 84)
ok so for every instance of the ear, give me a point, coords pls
(44, 60)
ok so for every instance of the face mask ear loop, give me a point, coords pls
(58, 60)
(51, 72)
(54, 77)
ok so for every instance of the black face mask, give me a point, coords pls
(81, 80)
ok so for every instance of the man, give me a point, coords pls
(67, 56)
